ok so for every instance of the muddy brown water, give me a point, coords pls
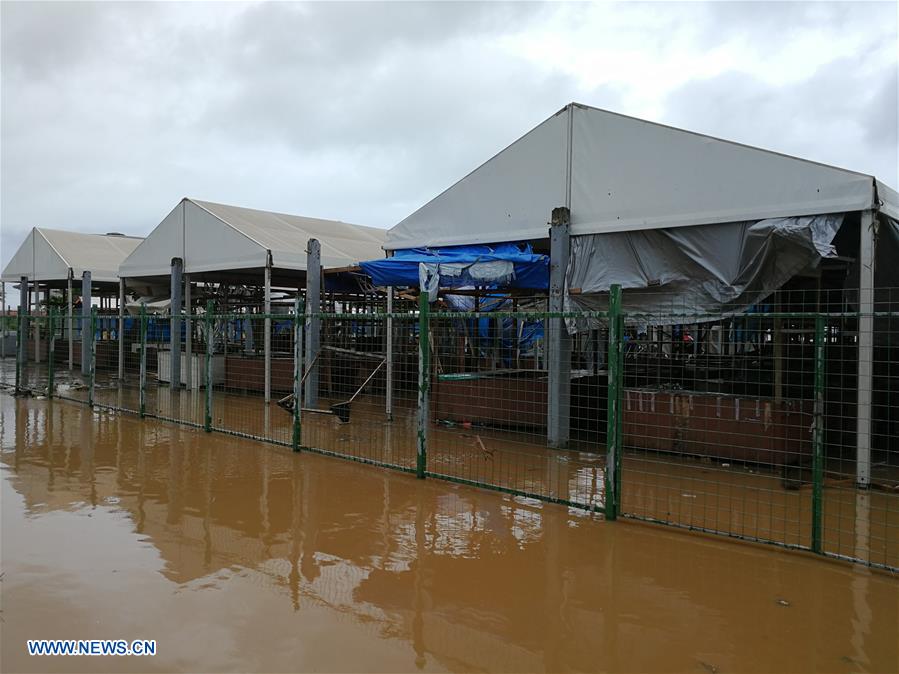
(240, 556)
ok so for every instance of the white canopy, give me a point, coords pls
(212, 237)
(51, 254)
(618, 173)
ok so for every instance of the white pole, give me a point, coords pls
(121, 329)
(389, 393)
(865, 347)
(268, 328)
(188, 335)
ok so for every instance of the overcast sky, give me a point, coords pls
(363, 112)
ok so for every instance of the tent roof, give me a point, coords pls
(49, 254)
(619, 173)
(213, 237)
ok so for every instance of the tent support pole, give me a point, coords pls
(175, 323)
(121, 330)
(559, 346)
(86, 302)
(313, 320)
(389, 348)
(21, 331)
(868, 234)
(70, 320)
(267, 341)
(37, 323)
(188, 336)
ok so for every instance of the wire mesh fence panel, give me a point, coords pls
(9, 329)
(719, 417)
(860, 479)
(172, 373)
(246, 381)
(747, 423)
(34, 350)
(71, 371)
(501, 419)
(359, 387)
(773, 420)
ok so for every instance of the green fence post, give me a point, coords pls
(818, 438)
(613, 412)
(297, 374)
(142, 383)
(424, 380)
(92, 354)
(51, 351)
(210, 344)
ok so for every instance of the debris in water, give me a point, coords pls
(783, 602)
(712, 669)
(685, 495)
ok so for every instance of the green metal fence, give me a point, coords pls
(744, 425)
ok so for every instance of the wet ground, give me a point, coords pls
(237, 556)
(746, 501)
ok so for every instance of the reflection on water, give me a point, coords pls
(240, 556)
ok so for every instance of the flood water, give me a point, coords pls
(240, 556)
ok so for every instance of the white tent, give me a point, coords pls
(49, 255)
(730, 223)
(617, 173)
(212, 237)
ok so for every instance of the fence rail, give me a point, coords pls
(746, 425)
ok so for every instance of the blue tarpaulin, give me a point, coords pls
(513, 265)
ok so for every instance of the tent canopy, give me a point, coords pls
(212, 237)
(618, 173)
(513, 265)
(49, 255)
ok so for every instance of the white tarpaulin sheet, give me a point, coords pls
(691, 271)
(213, 237)
(618, 173)
(49, 254)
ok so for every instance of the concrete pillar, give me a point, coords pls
(86, 334)
(267, 341)
(188, 335)
(389, 348)
(175, 324)
(70, 320)
(120, 332)
(868, 233)
(313, 322)
(558, 344)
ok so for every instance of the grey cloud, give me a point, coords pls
(835, 116)
(111, 112)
